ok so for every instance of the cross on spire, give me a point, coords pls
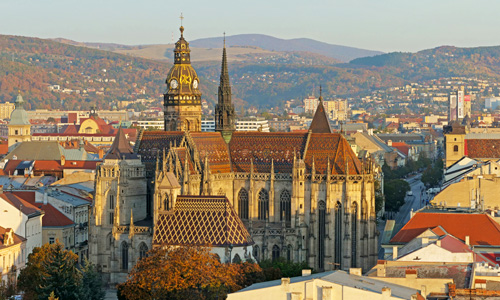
(182, 18)
(224, 39)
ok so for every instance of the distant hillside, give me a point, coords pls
(341, 53)
(445, 61)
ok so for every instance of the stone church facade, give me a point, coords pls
(302, 196)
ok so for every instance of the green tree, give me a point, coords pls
(275, 269)
(395, 192)
(91, 285)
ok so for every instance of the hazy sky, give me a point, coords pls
(386, 25)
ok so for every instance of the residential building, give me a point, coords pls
(6, 110)
(13, 255)
(252, 124)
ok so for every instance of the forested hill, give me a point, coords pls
(445, 61)
(87, 76)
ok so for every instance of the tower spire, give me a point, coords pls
(224, 110)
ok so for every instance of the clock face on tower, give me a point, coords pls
(195, 84)
(173, 84)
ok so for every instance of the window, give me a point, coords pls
(354, 233)
(166, 203)
(256, 252)
(289, 250)
(52, 240)
(455, 148)
(263, 205)
(124, 256)
(321, 234)
(111, 201)
(338, 235)
(243, 204)
(276, 252)
(111, 218)
(286, 207)
(236, 259)
(143, 251)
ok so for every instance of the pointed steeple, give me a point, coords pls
(320, 122)
(121, 147)
(224, 109)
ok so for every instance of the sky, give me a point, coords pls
(384, 25)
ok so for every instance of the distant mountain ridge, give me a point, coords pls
(342, 53)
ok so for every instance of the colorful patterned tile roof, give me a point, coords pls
(198, 220)
(181, 154)
(154, 141)
(481, 229)
(482, 148)
(333, 146)
(213, 146)
(265, 148)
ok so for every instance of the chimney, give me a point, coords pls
(467, 240)
(394, 252)
(306, 272)
(1, 189)
(386, 293)
(389, 143)
(380, 268)
(411, 274)
(63, 160)
(438, 243)
(101, 153)
(285, 281)
(423, 290)
(355, 271)
(45, 197)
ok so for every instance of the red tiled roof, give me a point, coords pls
(482, 148)
(333, 146)
(11, 166)
(153, 142)
(402, 147)
(19, 203)
(481, 229)
(52, 217)
(265, 148)
(181, 154)
(213, 146)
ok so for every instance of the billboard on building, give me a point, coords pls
(460, 104)
(452, 115)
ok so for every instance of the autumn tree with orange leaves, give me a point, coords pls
(185, 273)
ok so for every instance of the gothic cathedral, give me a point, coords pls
(303, 196)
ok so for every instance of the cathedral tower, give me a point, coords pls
(182, 100)
(224, 110)
(19, 125)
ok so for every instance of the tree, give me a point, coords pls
(275, 269)
(395, 192)
(91, 285)
(52, 269)
(189, 272)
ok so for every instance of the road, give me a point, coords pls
(411, 203)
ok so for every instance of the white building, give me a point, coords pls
(208, 125)
(310, 104)
(24, 218)
(151, 124)
(326, 286)
(12, 253)
(252, 124)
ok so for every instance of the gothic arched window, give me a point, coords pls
(143, 250)
(124, 256)
(354, 233)
(166, 202)
(289, 250)
(455, 148)
(276, 252)
(243, 204)
(263, 204)
(321, 234)
(236, 259)
(256, 252)
(286, 207)
(338, 235)
(111, 200)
